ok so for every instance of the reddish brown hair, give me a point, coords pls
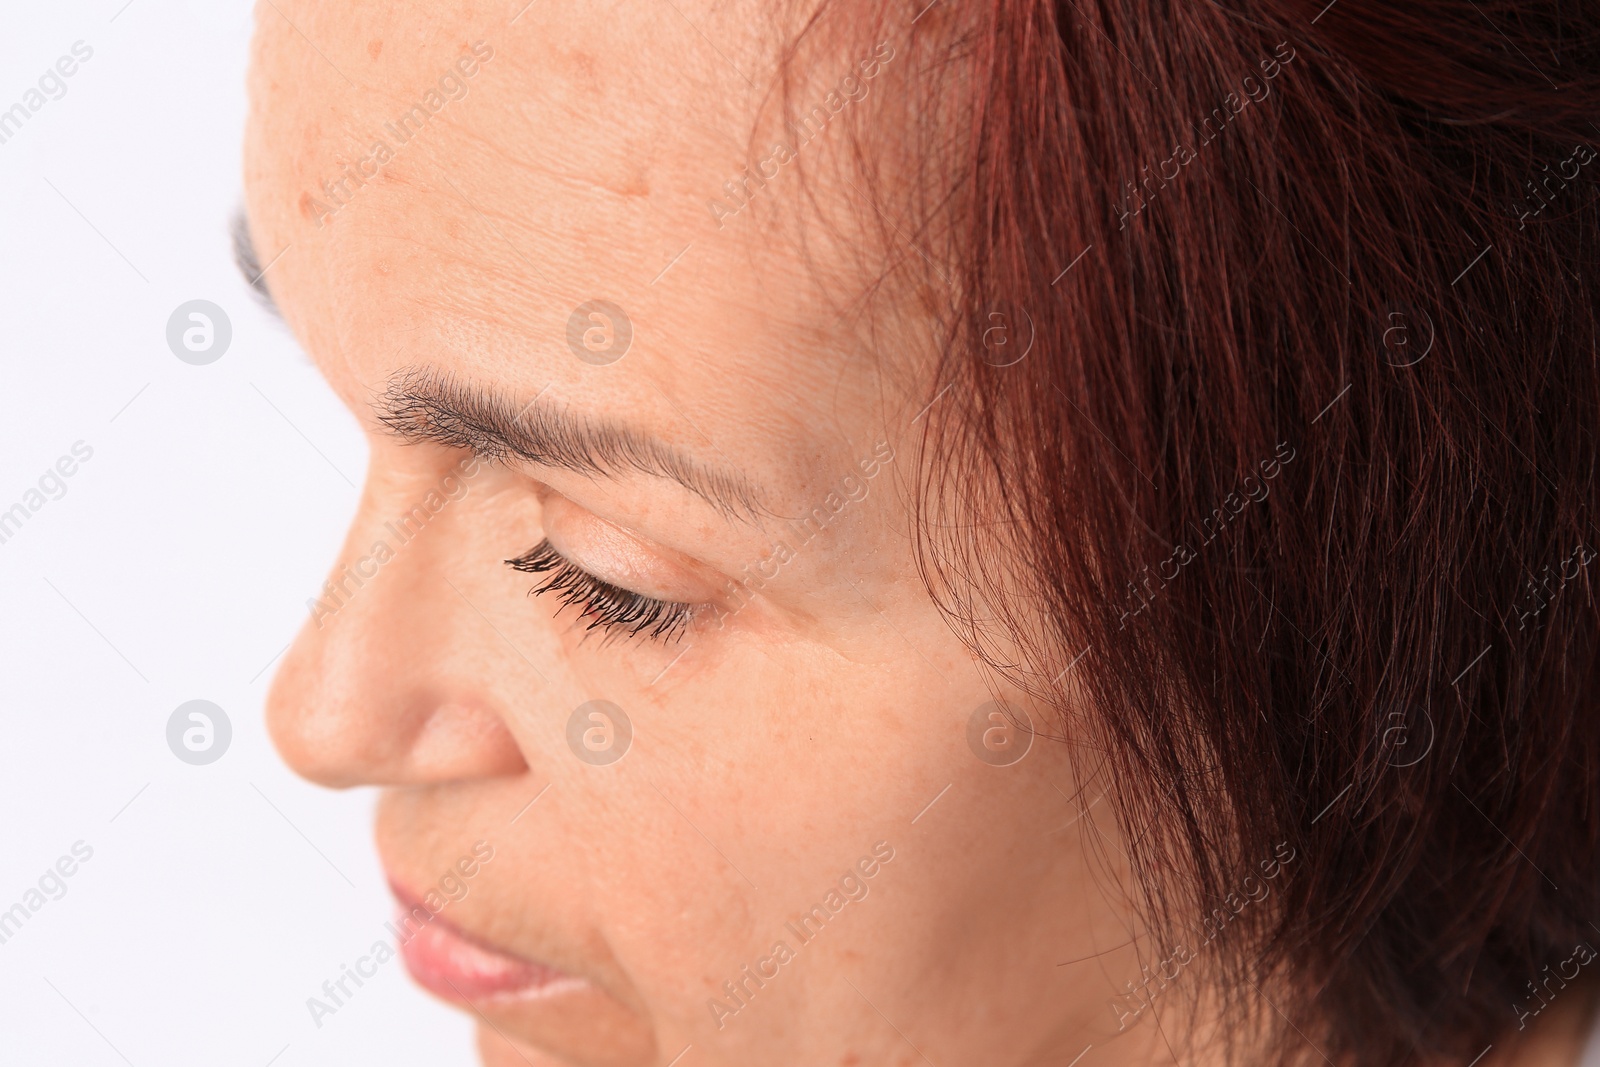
(1370, 272)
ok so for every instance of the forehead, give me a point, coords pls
(464, 190)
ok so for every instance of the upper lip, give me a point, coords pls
(569, 1008)
(532, 973)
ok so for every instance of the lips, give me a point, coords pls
(451, 964)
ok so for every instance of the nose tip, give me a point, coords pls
(338, 722)
(317, 730)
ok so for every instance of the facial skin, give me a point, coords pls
(829, 709)
(789, 737)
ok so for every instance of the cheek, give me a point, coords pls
(745, 807)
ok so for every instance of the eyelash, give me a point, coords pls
(619, 612)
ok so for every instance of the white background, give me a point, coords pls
(176, 567)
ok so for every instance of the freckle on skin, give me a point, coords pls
(373, 48)
(583, 63)
(638, 182)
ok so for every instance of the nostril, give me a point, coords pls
(464, 740)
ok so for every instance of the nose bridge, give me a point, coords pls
(394, 515)
(370, 669)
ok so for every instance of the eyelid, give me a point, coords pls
(249, 262)
(618, 556)
(618, 610)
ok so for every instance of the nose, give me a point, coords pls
(384, 683)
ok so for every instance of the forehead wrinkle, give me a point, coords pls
(425, 404)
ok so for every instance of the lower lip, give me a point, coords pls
(448, 963)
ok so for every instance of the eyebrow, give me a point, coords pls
(424, 404)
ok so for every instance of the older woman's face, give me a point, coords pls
(716, 788)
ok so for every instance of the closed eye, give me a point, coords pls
(617, 611)
(249, 264)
